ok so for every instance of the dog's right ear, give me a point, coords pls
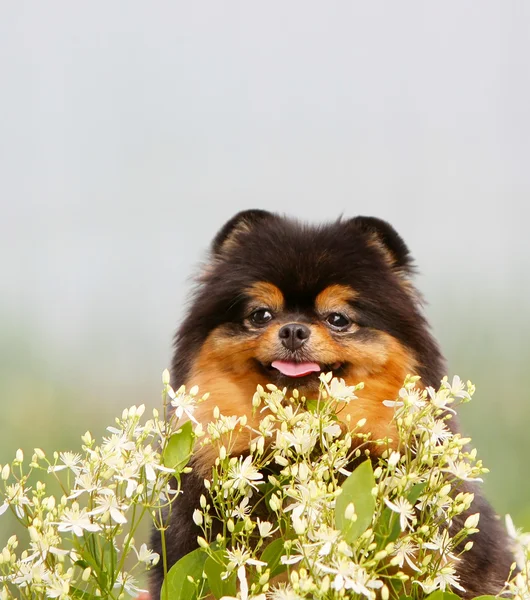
(236, 228)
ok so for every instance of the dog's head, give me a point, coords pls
(280, 301)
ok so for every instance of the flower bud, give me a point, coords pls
(19, 456)
(165, 377)
(349, 513)
(197, 517)
(86, 574)
(5, 472)
(393, 459)
(40, 454)
(472, 521)
(202, 542)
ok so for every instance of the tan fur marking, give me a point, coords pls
(395, 363)
(225, 368)
(266, 294)
(334, 298)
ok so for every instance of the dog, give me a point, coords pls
(280, 301)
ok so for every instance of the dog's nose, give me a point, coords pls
(294, 335)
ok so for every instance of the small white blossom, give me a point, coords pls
(456, 388)
(77, 521)
(108, 504)
(338, 390)
(243, 473)
(265, 528)
(405, 510)
(70, 461)
(184, 404)
(462, 470)
(128, 583)
(147, 556)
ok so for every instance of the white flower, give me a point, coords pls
(77, 521)
(446, 577)
(243, 473)
(405, 551)
(462, 470)
(70, 461)
(456, 388)
(243, 509)
(108, 504)
(265, 528)
(147, 556)
(300, 438)
(440, 542)
(440, 398)
(116, 445)
(16, 496)
(128, 583)
(184, 404)
(405, 510)
(338, 390)
(84, 482)
(240, 556)
(436, 429)
(57, 587)
(350, 576)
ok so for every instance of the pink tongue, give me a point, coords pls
(295, 369)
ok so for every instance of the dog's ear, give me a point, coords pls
(383, 236)
(238, 226)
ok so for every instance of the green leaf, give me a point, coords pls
(178, 450)
(439, 595)
(357, 489)
(176, 584)
(312, 405)
(388, 527)
(82, 595)
(214, 567)
(109, 557)
(416, 492)
(272, 556)
(486, 598)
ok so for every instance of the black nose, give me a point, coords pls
(294, 335)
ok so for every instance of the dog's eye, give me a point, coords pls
(338, 321)
(261, 316)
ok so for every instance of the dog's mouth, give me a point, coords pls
(305, 371)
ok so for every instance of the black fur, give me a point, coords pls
(365, 253)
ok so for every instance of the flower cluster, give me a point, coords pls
(80, 539)
(319, 509)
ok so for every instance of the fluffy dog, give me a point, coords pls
(278, 302)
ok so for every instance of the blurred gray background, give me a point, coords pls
(130, 131)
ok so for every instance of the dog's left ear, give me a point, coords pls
(384, 237)
(237, 227)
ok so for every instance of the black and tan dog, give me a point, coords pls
(279, 302)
